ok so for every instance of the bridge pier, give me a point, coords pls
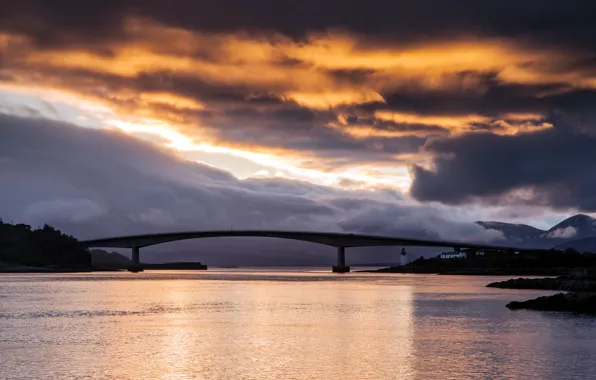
(136, 261)
(341, 261)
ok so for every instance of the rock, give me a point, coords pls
(568, 283)
(570, 302)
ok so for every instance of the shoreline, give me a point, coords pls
(46, 270)
(579, 296)
(478, 272)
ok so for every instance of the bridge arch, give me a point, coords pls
(335, 239)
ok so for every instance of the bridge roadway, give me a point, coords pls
(334, 239)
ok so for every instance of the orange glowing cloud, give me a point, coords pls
(449, 122)
(326, 100)
(262, 63)
(325, 72)
(148, 99)
(508, 124)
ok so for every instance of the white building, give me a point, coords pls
(453, 255)
(461, 254)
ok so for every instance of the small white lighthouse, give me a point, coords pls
(404, 257)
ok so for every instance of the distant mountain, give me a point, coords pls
(579, 226)
(581, 245)
(577, 232)
(514, 232)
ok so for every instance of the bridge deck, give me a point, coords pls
(327, 238)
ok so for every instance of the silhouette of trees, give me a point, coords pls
(46, 246)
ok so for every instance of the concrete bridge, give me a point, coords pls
(339, 240)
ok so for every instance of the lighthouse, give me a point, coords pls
(404, 257)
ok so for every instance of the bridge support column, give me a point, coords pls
(341, 261)
(136, 261)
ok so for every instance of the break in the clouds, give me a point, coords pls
(96, 183)
(460, 103)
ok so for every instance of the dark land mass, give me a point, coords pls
(577, 232)
(176, 266)
(23, 249)
(373, 264)
(580, 299)
(494, 263)
(583, 302)
(566, 283)
(4, 268)
(579, 245)
(48, 250)
(478, 271)
(103, 260)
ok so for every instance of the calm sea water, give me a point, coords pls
(282, 325)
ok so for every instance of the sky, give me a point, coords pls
(388, 117)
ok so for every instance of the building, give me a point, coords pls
(461, 254)
(453, 255)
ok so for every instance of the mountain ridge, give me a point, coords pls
(512, 231)
(573, 232)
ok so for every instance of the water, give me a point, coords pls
(282, 325)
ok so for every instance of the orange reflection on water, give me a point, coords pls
(282, 325)
(262, 329)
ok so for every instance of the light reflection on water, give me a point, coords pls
(236, 324)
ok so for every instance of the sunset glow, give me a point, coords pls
(189, 90)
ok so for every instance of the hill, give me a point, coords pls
(577, 232)
(20, 245)
(577, 227)
(513, 232)
(101, 259)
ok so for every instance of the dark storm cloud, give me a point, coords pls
(495, 98)
(557, 165)
(550, 21)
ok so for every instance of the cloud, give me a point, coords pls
(62, 210)
(335, 105)
(556, 22)
(477, 98)
(94, 183)
(417, 221)
(551, 168)
(565, 233)
(157, 217)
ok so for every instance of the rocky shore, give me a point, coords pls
(567, 283)
(473, 271)
(582, 302)
(580, 299)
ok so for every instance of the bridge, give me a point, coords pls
(339, 240)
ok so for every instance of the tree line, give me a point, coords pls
(45, 247)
